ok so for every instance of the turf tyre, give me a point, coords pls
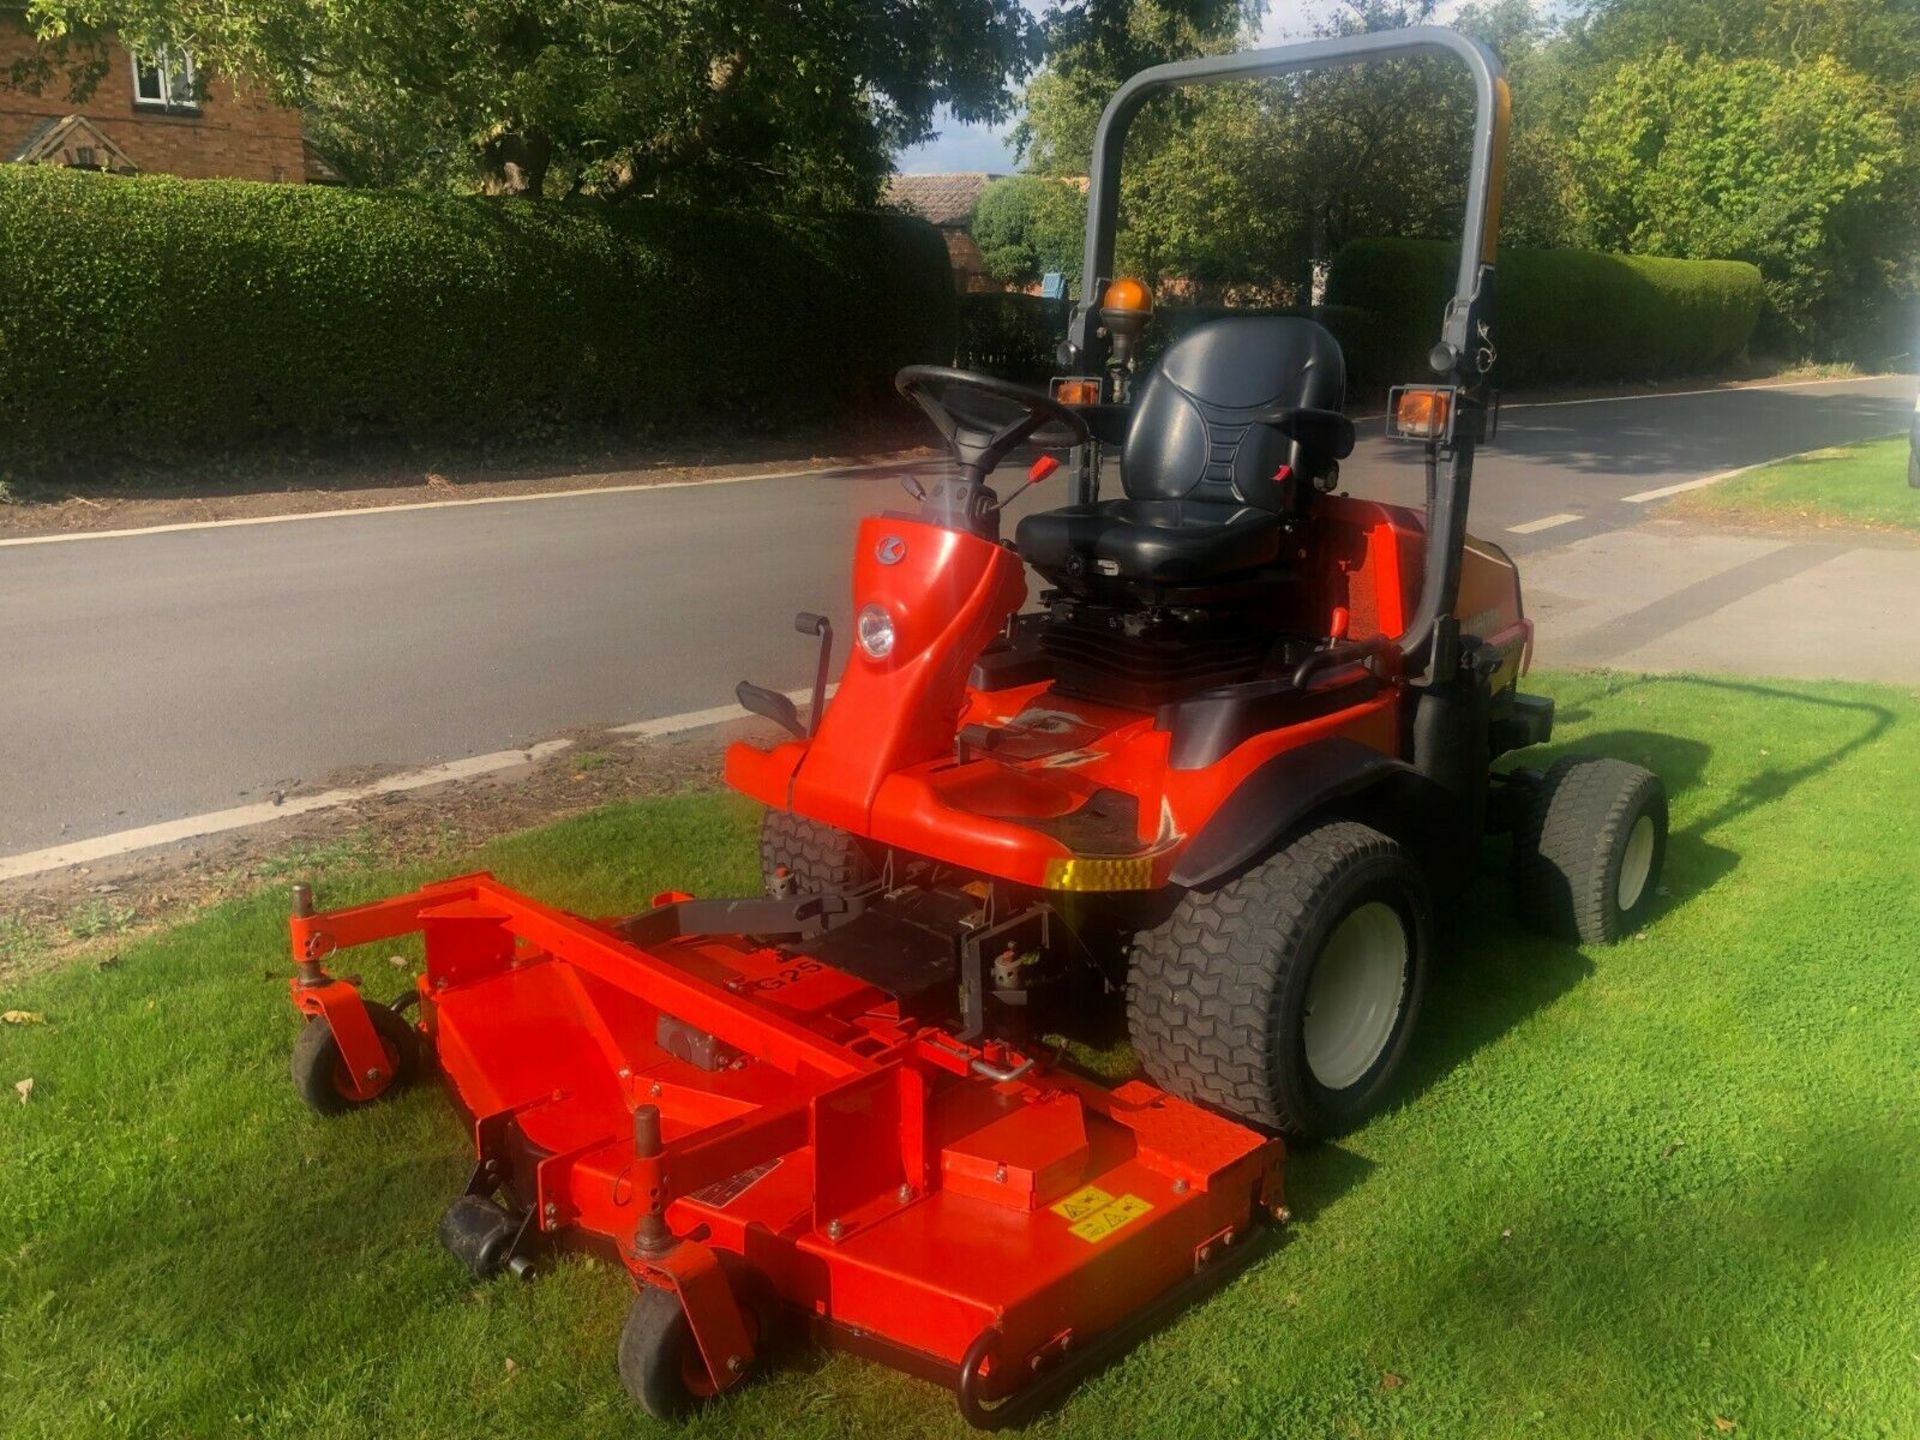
(319, 1075)
(1218, 995)
(660, 1363)
(1589, 850)
(819, 859)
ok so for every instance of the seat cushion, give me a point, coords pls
(1153, 542)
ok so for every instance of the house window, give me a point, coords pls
(163, 79)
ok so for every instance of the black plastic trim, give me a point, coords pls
(1275, 797)
(1208, 727)
(1529, 721)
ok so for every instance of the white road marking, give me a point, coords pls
(1665, 490)
(65, 536)
(194, 827)
(700, 719)
(1546, 522)
(241, 817)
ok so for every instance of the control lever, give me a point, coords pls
(808, 623)
(1036, 472)
(771, 704)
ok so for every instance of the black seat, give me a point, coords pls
(1199, 468)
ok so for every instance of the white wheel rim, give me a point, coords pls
(1355, 995)
(1636, 864)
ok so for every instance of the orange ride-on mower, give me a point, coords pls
(1227, 769)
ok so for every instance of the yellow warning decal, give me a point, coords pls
(1104, 1221)
(1082, 1203)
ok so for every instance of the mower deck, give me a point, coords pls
(668, 1094)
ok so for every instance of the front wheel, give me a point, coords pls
(813, 859)
(320, 1075)
(660, 1362)
(1287, 997)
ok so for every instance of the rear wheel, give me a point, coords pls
(1589, 851)
(1287, 997)
(816, 859)
(320, 1075)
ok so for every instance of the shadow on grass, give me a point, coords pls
(1494, 973)
(1681, 761)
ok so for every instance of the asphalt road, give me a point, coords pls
(151, 677)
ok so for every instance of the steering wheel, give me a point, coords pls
(984, 419)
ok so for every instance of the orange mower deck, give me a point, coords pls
(669, 1096)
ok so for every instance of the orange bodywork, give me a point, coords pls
(857, 1160)
(884, 764)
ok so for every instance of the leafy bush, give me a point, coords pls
(1559, 314)
(151, 315)
(1026, 225)
(1792, 165)
(1011, 335)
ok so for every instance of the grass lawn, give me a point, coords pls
(1863, 485)
(1667, 1189)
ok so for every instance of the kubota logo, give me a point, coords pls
(890, 551)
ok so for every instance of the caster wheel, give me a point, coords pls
(661, 1365)
(320, 1076)
(480, 1236)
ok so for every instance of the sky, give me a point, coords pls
(960, 147)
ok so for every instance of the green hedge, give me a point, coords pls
(1015, 335)
(143, 316)
(1560, 315)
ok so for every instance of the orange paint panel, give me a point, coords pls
(947, 595)
(562, 1047)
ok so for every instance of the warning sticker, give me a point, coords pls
(1104, 1221)
(1082, 1203)
(723, 1193)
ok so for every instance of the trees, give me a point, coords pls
(744, 102)
(1236, 190)
(1786, 132)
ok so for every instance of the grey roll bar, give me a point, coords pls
(1464, 353)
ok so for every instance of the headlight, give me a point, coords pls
(875, 629)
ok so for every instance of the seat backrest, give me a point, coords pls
(1193, 436)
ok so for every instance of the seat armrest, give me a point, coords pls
(1327, 431)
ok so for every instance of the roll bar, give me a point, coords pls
(1465, 352)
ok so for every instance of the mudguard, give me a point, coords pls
(1289, 787)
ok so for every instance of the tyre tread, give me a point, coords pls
(821, 859)
(1201, 988)
(1573, 823)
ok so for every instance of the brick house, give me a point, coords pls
(946, 202)
(149, 114)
